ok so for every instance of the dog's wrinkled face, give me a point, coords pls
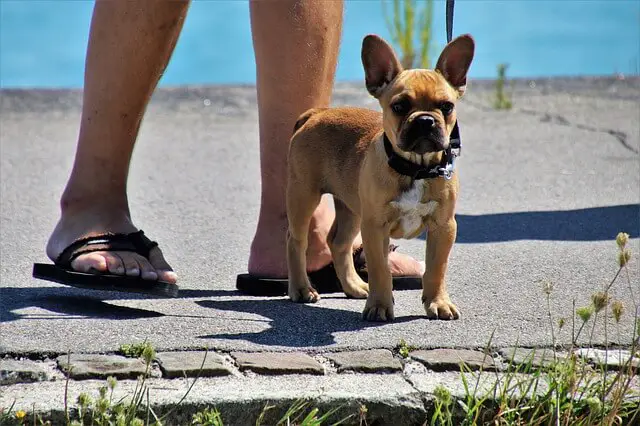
(419, 106)
(419, 111)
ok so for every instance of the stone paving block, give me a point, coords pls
(188, 363)
(89, 366)
(390, 400)
(24, 371)
(371, 361)
(539, 357)
(450, 359)
(277, 363)
(614, 358)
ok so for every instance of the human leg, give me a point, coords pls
(129, 47)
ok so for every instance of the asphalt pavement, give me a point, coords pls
(545, 188)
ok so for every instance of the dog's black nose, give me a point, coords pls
(426, 121)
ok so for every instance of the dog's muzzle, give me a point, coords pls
(422, 135)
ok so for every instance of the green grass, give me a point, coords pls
(404, 349)
(502, 99)
(409, 24)
(134, 350)
(299, 414)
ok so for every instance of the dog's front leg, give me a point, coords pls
(375, 240)
(440, 239)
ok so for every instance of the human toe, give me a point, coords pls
(90, 262)
(147, 271)
(404, 265)
(131, 264)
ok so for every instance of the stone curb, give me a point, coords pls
(452, 359)
(26, 371)
(613, 359)
(240, 385)
(277, 363)
(374, 361)
(192, 364)
(89, 366)
(370, 361)
(388, 399)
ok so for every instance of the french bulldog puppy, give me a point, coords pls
(391, 175)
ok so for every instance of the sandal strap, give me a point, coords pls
(359, 260)
(135, 242)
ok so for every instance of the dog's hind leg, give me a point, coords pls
(301, 203)
(343, 231)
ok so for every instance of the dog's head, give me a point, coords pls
(418, 105)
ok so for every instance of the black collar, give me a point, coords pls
(417, 172)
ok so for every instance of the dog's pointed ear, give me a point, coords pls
(455, 60)
(381, 65)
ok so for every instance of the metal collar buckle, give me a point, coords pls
(447, 171)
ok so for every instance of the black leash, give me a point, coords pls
(446, 167)
(450, 4)
(454, 139)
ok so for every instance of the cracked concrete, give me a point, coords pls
(586, 101)
(546, 117)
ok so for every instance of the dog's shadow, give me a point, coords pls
(294, 324)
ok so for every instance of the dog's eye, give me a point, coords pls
(446, 108)
(401, 107)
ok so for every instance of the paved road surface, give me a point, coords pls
(545, 189)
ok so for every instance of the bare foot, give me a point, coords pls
(267, 257)
(76, 223)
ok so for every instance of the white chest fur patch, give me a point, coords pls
(412, 209)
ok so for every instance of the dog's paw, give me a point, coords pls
(441, 308)
(304, 294)
(358, 290)
(378, 312)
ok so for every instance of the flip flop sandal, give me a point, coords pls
(324, 280)
(62, 272)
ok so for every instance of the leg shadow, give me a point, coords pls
(64, 301)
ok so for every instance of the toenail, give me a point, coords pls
(120, 270)
(167, 276)
(133, 271)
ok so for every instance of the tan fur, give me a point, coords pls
(340, 151)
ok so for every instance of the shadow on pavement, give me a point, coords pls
(592, 224)
(80, 303)
(294, 324)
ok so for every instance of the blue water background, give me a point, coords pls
(43, 43)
